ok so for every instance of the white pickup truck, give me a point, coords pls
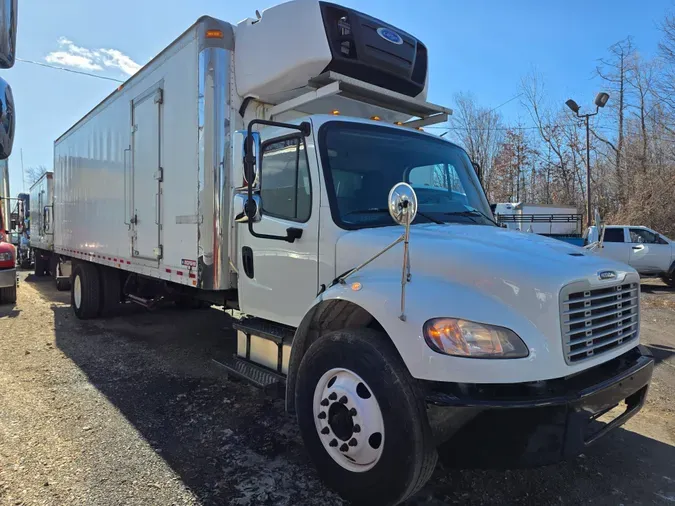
(647, 251)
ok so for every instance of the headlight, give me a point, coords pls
(6, 257)
(462, 338)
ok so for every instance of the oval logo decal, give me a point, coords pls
(607, 275)
(390, 35)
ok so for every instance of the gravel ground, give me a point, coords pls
(131, 410)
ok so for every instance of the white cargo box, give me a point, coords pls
(42, 213)
(139, 180)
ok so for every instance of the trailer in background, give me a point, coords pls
(552, 220)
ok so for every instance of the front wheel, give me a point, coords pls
(362, 420)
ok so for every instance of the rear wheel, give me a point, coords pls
(362, 420)
(85, 291)
(8, 295)
(110, 290)
(669, 280)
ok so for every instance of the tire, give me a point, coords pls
(8, 295)
(40, 264)
(85, 291)
(62, 284)
(670, 281)
(110, 290)
(407, 454)
(25, 263)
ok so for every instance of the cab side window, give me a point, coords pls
(614, 235)
(285, 188)
(640, 236)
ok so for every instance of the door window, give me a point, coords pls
(285, 188)
(613, 235)
(641, 236)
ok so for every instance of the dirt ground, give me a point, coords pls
(131, 410)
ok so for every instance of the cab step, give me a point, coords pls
(266, 329)
(258, 376)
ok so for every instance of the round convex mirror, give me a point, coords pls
(402, 203)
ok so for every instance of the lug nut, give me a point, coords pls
(352, 411)
(352, 442)
(357, 428)
(322, 415)
(325, 402)
(333, 443)
(343, 399)
(332, 396)
(344, 447)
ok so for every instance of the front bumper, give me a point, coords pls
(7, 277)
(543, 422)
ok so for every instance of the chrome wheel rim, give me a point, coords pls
(348, 420)
(77, 292)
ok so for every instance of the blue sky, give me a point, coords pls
(484, 47)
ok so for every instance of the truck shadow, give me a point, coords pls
(230, 444)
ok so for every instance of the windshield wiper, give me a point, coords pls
(472, 212)
(385, 210)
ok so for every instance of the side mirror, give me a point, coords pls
(403, 204)
(252, 163)
(7, 33)
(242, 208)
(6, 119)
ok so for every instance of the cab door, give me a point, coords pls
(278, 279)
(649, 253)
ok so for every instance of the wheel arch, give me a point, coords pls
(325, 316)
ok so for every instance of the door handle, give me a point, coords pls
(638, 247)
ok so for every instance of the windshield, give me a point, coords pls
(363, 162)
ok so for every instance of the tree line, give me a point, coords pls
(632, 141)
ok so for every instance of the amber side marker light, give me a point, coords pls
(214, 34)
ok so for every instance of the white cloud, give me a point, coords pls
(74, 56)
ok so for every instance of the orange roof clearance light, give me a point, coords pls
(214, 34)
(399, 123)
(335, 112)
(375, 118)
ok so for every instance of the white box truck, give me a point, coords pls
(268, 167)
(41, 195)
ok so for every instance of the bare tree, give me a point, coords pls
(479, 130)
(33, 173)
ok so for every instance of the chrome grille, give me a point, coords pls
(598, 320)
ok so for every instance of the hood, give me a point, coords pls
(498, 261)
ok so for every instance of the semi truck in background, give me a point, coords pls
(8, 273)
(8, 279)
(375, 290)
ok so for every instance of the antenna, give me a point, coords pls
(257, 14)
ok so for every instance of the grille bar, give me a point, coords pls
(589, 351)
(596, 306)
(621, 316)
(598, 335)
(604, 295)
(596, 320)
(582, 319)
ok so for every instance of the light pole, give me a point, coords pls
(600, 101)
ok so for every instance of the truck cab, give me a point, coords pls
(374, 288)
